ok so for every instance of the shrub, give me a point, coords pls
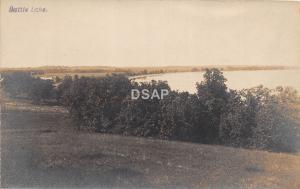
(142, 117)
(17, 84)
(63, 89)
(96, 102)
(41, 90)
(23, 85)
(260, 118)
(177, 116)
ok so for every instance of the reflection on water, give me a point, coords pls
(186, 81)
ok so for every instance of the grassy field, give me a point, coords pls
(40, 148)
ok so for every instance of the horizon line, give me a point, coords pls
(216, 65)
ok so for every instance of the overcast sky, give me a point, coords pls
(150, 33)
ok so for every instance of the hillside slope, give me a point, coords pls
(40, 148)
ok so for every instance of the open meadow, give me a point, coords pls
(41, 148)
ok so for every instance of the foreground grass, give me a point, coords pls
(40, 148)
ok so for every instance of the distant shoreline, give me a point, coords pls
(137, 77)
(100, 71)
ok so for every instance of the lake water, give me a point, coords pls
(186, 81)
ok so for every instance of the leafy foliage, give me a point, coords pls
(95, 102)
(17, 84)
(258, 118)
(23, 85)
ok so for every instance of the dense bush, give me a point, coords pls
(95, 103)
(141, 117)
(17, 84)
(252, 118)
(23, 85)
(257, 118)
(260, 118)
(41, 90)
(63, 88)
(177, 116)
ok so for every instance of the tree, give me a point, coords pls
(22, 84)
(63, 89)
(95, 102)
(142, 117)
(17, 84)
(176, 116)
(41, 90)
(213, 96)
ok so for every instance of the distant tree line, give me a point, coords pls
(258, 118)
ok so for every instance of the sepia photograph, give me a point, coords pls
(150, 94)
